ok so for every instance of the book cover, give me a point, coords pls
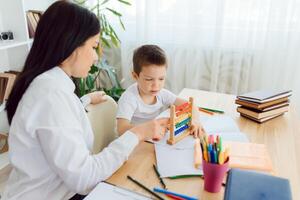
(260, 114)
(263, 96)
(10, 83)
(31, 30)
(32, 21)
(250, 185)
(262, 119)
(3, 86)
(261, 106)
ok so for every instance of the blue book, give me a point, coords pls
(250, 185)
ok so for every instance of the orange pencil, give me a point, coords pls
(197, 154)
(206, 111)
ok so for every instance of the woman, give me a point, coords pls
(50, 136)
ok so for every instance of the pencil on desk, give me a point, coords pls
(173, 193)
(212, 110)
(197, 154)
(175, 197)
(145, 188)
(160, 179)
(205, 111)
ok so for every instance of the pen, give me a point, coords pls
(173, 193)
(160, 179)
(213, 110)
(145, 188)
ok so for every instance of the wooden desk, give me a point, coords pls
(281, 136)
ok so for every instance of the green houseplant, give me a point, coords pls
(108, 37)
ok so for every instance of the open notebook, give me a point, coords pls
(178, 159)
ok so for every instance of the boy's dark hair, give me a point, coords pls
(62, 28)
(148, 55)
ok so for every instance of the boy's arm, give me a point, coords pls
(126, 107)
(123, 125)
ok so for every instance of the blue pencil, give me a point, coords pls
(173, 193)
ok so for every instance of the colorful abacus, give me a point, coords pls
(180, 121)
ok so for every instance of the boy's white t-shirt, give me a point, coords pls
(132, 107)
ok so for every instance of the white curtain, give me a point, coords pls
(230, 46)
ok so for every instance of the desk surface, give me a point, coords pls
(281, 136)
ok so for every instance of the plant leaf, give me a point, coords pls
(120, 20)
(105, 1)
(114, 12)
(93, 69)
(89, 82)
(125, 2)
(93, 8)
(114, 40)
(114, 33)
(105, 42)
(80, 2)
(111, 73)
(81, 87)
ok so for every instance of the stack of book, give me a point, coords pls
(7, 80)
(262, 106)
(33, 18)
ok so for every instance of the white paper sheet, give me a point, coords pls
(174, 162)
(110, 192)
(221, 123)
(178, 159)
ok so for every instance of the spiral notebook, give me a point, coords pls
(249, 185)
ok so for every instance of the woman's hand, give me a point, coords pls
(97, 97)
(154, 129)
(197, 129)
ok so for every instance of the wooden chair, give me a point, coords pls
(103, 121)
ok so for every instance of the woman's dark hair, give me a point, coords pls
(62, 28)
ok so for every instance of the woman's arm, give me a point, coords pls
(93, 98)
(123, 125)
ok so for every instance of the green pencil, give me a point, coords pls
(185, 176)
(213, 110)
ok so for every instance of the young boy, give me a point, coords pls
(146, 99)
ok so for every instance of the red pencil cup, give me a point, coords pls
(214, 175)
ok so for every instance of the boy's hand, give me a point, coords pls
(197, 129)
(97, 97)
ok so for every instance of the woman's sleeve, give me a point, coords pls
(85, 100)
(62, 141)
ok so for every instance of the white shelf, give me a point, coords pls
(13, 18)
(11, 44)
(4, 161)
